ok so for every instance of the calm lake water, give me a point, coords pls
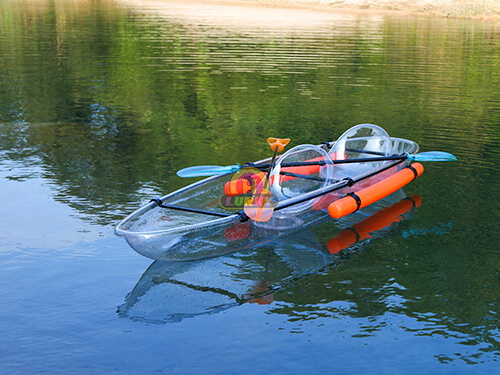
(101, 102)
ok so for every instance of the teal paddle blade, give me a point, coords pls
(432, 156)
(207, 170)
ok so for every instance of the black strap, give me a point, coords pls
(243, 216)
(159, 203)
(349, 181)
(366, 152)
(306, 177)
(356, 198)
(413, 170)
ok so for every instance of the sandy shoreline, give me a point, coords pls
(467, 9)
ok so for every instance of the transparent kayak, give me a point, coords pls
(201, 220)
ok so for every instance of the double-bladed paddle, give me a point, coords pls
(214, 170)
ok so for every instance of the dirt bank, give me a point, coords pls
(471, 9)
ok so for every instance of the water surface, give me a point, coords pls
(101, 102)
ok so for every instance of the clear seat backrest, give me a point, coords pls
(300, 170)
(360, 142)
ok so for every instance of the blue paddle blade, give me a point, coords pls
(207, 170)
(432, 156)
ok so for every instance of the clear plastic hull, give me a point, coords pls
(169, 234)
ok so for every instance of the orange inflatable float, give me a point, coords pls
(362, 198)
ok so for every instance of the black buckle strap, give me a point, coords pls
(356, 198)
(412, 168)
(158, 202)
(349, 181)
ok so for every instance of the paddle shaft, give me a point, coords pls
(271, 166)
(218, 170)
(345, 161)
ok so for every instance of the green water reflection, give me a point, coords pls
(107, 103)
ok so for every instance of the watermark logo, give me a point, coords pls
(246, 187)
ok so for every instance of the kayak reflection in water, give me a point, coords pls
(172, 291)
